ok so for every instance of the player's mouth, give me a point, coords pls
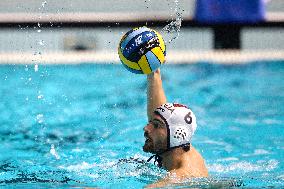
(147, 138)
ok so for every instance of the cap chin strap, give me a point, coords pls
(158, 157)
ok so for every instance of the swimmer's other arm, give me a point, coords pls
(155, 92)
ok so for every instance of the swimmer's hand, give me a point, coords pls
(156, 73)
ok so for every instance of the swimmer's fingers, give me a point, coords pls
(151, 75)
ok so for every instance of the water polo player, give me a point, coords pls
(168, 135)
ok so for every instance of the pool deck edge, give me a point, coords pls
(173, 57)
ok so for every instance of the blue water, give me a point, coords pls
(81, 125)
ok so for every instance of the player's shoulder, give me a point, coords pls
(170, 179)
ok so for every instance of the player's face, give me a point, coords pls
(155, 133)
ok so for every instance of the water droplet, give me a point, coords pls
(40, 96)
(39, 118)
(53, 152)
(41, 42)
(43, 3)
(37, 53)
(36, 68)
(38, 31)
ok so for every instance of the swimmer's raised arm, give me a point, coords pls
(155, 92)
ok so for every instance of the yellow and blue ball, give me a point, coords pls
(142, 50)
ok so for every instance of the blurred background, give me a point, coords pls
(25, 37)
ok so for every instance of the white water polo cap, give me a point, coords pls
(180, 122)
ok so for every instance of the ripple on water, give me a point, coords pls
(244, 166)
(96, 124)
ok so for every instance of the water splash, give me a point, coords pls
(53, 152)
(245, 166)
(171, 31)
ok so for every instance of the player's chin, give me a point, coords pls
(148, 147)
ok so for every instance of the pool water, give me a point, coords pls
(81, 125)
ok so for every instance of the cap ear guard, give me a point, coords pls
(181, 123)
(179, 135)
